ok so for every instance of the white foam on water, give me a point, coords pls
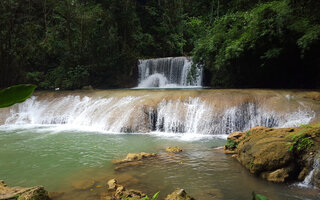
(307, 182)
(189, 118)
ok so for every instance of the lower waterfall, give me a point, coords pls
(146, 113)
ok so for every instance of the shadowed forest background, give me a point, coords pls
(242, 43)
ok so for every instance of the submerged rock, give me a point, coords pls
(277, 155)
(174, 149)
(20, 193)
(179, 194)
(83, 184)
(134, 157)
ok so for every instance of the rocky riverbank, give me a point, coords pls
(279, 155)
(20, 193)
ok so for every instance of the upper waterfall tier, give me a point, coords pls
(167, 73)
(167, 111)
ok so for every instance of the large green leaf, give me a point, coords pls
(15, 94)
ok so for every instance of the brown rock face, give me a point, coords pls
(179, 194)
(19, 193)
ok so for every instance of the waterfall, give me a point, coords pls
(307, 182)
(140, 114)
(167, 73)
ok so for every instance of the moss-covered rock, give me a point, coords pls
(174, 149)
(277, 155)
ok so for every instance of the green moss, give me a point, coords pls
(250, 164)
(230, 144)
(302, 140)
(248, 133)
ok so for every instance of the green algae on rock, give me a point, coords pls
(277, 155)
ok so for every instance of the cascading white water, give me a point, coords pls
(307, 182)
(132, 114)
(167, 73)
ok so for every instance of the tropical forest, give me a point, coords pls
(159, 99)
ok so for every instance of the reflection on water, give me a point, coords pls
(64, 161)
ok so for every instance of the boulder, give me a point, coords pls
(20, 193)
(174, 149)
(264, 150)
(179, 194)
(278, 155)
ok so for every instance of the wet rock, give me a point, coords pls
(55, 195)
(128, 164)
(277, 176)
(237, 136)
(20, 193)
(134, 157)
(232, 142)
(120, 192)
(179, 194)
(83, 184)
(315, 180)
(112, 184)
(174, 149)
(227, 151)
(302, 175)
(127, 179)
(215, 194)
(273, 154)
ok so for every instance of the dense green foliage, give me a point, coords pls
(271, 44)
(15, 94)
(73, 43)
